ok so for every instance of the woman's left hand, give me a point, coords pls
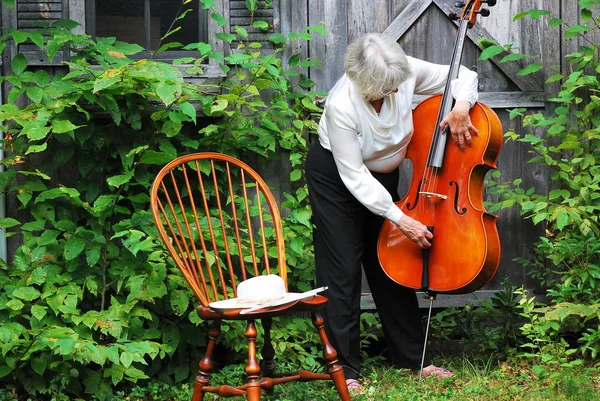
(460, 124)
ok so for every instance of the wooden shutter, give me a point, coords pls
(239, 15)
(32, 14)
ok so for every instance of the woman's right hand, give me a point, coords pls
(415, 231)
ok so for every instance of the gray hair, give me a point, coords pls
(376, 64)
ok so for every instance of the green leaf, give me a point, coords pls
(168, 92)
(512, 57)
(126, 359)
(554, 22)
(153, 157)
(218, 18)
(118, 180)
(264, 25)
(586, 15)
(26, 293)
(63, 126)
(189, 110)
(227, 37)
(8, 222)
(220, 104)
(35, 93)
(490, 52)
(38, 311)
(530, 69)
(277, 38)
(170, 45)
(73, 247)
(18, 64)
(15, 304)
(576, 30)
(252, 5)
(39, 365)
(320, 29)
(206, 4)
(536, 14)
(36, 148)
(554, 78)
(295, 175)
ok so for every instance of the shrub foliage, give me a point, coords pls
(90, 300)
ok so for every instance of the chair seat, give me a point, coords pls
(302, 305)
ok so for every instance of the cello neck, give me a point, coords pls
(436, 153)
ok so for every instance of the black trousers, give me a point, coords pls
(345, 237)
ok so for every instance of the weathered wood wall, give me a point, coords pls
(423, 28)
(425, 31)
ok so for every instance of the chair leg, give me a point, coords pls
(206, 364)
(330, 355)
(252, 367)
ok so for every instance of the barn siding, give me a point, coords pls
(347, 20)
(431, 37)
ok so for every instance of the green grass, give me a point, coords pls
(475, 380)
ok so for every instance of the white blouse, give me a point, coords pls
(362, 141)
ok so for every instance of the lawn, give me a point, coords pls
(475, 380)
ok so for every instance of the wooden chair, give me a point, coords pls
(221, 224)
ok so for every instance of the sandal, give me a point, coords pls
(354, 386)
(434, 371)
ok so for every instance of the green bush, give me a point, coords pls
(91, 301)
(567, 143)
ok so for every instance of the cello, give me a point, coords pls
(446, 194)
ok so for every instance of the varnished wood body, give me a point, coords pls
(465, 251)
(221, 224)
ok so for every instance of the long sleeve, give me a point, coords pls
(430, 79)
(346, 150)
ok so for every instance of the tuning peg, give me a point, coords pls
(459, 4)
(490, 3)
(453, 16)
(484, 12)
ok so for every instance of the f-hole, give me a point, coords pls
(411, 206)
(457, 209)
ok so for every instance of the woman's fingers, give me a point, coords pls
(415, 231)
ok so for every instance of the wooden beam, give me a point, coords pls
(511, 100)
(406, 18)
(442, 300)
(511, 68)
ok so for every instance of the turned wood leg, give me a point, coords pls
(206, 364)
(330, 356)
(252, 367)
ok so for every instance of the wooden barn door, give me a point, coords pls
(423, 28)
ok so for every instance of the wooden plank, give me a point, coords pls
(330, 49)
(526, 83)
(77, 14)
(407, 18)
(441, 301)
(213, 28)
(510, 100)
(241, 4)
(260, 13)
(39, 7)
(316, 16)
(365, 17)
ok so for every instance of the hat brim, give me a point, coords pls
(232, 303)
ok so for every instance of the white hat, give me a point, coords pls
(261, 292)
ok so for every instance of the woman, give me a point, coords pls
(353, 174)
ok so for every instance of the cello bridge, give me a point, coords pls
(433, 195)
